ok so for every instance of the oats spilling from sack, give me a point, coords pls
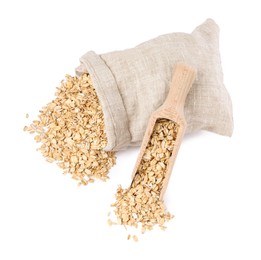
(141, 204)
(72, 133)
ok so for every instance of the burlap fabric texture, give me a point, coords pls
(133, 83)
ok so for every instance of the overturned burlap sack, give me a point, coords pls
(133, 83)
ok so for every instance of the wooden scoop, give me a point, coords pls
(172, 109)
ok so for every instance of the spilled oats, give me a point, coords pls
(71, 131)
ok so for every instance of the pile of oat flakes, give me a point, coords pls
(71, 131)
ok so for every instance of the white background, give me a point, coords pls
(215, 189)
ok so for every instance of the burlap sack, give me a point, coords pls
(133, 83)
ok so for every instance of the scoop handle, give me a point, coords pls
(182, 80)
